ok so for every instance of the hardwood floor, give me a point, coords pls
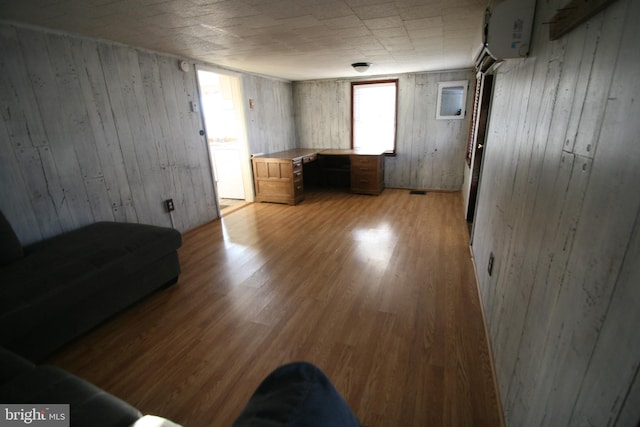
(378, 291)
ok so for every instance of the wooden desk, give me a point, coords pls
(278, 177)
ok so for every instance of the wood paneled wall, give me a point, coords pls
(430, 152)
(559, 207)
(270, 123)
(92, 130)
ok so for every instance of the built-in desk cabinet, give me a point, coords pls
(367, 174)
(279, 178)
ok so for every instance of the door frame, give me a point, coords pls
(480, 141)
(245, 159)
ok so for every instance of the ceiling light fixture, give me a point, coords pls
(361, 67)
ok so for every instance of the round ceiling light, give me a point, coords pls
(361, 67)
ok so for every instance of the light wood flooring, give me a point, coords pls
(377, 291)
(228, 206)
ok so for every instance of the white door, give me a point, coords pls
(226, 163)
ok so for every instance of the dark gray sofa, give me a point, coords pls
(28, 386)
(22, 382)
(54, 291)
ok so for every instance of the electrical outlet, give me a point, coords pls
(490, 266)
(169, 204)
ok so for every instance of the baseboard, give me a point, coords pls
(486, 335)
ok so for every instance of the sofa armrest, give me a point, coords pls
(89, 405)
(12, 365)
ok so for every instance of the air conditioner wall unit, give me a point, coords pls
(507, 29)
(483, 61)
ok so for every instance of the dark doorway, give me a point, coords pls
(479, 139)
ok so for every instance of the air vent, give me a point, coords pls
(418, 192)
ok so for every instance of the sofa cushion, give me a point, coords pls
(10, 247)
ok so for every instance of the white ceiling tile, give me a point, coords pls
(381, 23)
(417, 24)
(350, 21)
(389, 33)
(419, 12)
(300, 22)
(331, 9)
(347, 33)
(202, 2)
(284, 9)
(274, 37)
(360, 3)
(376, 11)
(412, 3)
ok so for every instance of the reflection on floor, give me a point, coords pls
(231, 205)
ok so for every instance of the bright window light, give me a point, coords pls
(374, 115)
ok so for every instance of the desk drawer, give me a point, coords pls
(274, 188)
(298, 183)
(367, 174)
(361, 169)
(298, 188)
(370, 162)
(297, 174)
(310, 158)
(365, 179)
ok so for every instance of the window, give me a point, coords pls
(373, 115)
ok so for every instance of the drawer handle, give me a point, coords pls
(364, 180)
(365, 169)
